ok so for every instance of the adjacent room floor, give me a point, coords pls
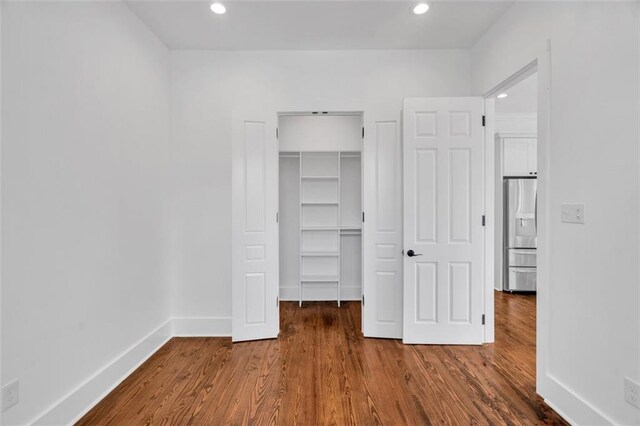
(321, 370)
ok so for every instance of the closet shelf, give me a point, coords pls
(319, 254)
(319, 177)
(311, 228)
(319, 278)
(318, 203)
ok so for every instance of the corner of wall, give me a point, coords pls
(78, 402)
(201, 327)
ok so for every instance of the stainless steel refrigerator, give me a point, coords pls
(520, 234)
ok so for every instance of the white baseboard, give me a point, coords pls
(320, 292)
(201, 327)
(77, 403)
(573, 408)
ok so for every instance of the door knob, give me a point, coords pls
(412, 253)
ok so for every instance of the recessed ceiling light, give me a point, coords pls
(421, 8)
(218, 8)
(502, 95)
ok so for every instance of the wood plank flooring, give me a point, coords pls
(322, 371)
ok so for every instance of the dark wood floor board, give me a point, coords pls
(321, 370)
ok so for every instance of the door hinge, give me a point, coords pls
(277, 217)
(362, 217)
(482, 319)
(278, 301)
(484, 121)
(363, 133)
(363, 300)
(277, 133)
(484, 220)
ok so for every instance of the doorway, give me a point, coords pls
(320, 207)
(531, 145)
(516, 239)
(256, 280)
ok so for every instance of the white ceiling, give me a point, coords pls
(318, 25)
(522, 98)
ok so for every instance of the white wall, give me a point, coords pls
(206, 86)
(85, 154)
(521, 98)
(516, 123)
(592, 334)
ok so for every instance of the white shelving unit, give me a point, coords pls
(319, 214)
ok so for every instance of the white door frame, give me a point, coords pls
(547, 386)
(490, 214)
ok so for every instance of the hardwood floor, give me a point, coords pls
(322, 371)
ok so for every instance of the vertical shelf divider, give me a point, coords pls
(339, 240)
(300, 234)
(311, 203)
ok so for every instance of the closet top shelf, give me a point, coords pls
(319, 177)
(319, 203)
(319, 228)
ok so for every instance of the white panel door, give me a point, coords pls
(382, 227)
(443, 159)
(255, 251)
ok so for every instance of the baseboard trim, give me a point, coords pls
(78, 402)
(573, 408)
(201, 327)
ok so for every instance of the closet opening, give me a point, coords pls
(320, 206)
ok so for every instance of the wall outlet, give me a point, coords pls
(572, 213)
(10, 394)
(632, 392)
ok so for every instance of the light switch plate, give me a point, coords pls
(10, 394)
(572, 213)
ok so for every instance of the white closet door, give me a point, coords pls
(254, 227)
(443, 209)
(382, 227)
